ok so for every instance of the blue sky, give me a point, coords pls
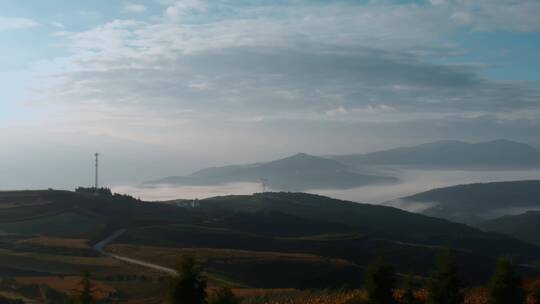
(189, 77)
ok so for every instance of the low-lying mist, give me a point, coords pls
(411, 182)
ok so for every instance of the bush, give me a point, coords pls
(534, 295)
(223, 296)
(407, 295)
(51, 295)
(10, 301)
(505, 285)
(189, 286)
(85, 295)
(446, 284)
(380, 283)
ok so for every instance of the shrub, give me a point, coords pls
(223, 296)
(446, 284)
(189, 285)
(505, 285)
(534, 295)
(380, 282)
(85, 295)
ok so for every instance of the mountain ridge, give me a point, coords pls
(451, 153)
(294, 173)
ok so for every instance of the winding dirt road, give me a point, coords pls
(100, 247)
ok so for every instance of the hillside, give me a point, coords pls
(524, 226)
(372, 220)
(244, 241)
(475, 203)
(296, 173)
(453, 154)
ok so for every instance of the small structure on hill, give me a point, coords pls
(188, 203)
(94, 191)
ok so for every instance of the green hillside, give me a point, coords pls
(249, 241)
(524, 226)
(474, 203)
(375, 221)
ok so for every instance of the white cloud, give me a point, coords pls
(180, 8)
(496, 15)
(461, 18)
(364, 113)
(133, 7)
(57, 24)
(340, 61)
(16, 23)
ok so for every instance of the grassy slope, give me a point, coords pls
(469, 203)
(525, 226)
(377, 221)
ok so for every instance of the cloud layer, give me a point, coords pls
(295, 60)
(278, 77)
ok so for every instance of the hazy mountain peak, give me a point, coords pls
(300, 171)
(441, 143)
(507, 143)
(306, 162)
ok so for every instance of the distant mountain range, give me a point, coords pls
(475, 203)
(303, 172)
(295, 173)
(454, 154)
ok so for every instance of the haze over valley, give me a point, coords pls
(367, 183)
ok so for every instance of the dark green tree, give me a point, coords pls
(380, 282)
(446, 285)
(223, 296)
(189, 285)
(85, 295)
(505, 285)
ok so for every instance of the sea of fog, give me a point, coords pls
(411, 182)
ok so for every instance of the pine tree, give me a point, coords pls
(189, 286)
(85, 296)
(446, 284)
(505, 285)
(380, 283)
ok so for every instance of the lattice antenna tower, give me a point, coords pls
(96, 184)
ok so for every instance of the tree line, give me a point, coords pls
(445, 286)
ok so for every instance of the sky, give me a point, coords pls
(164, 87)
